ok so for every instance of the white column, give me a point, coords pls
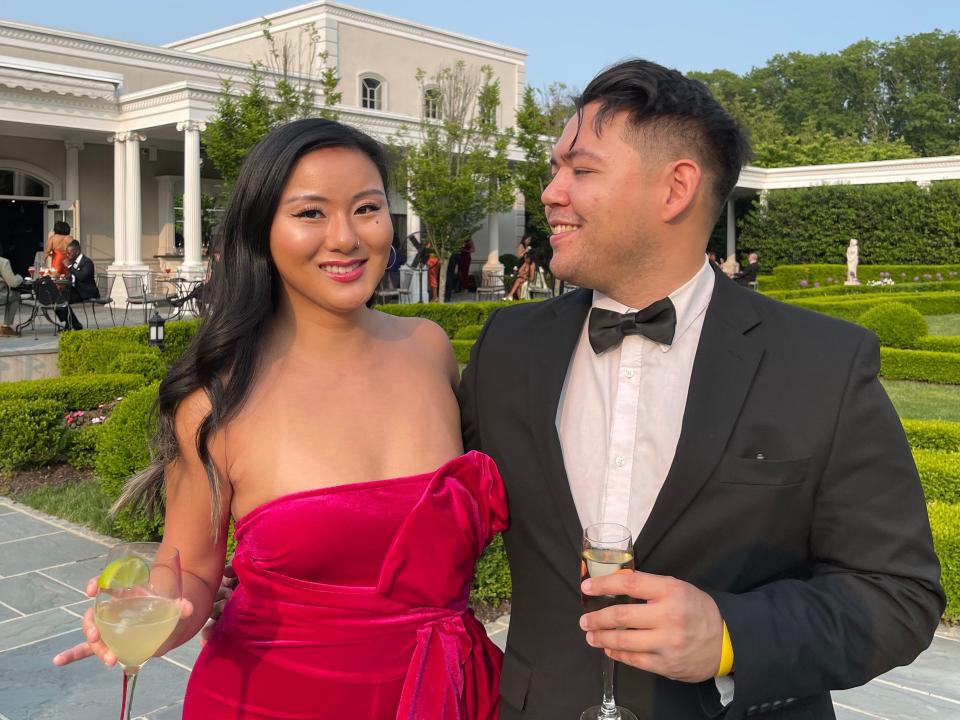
(493, 243)
(165, 214)
(133, 223)
(193, 265)
(73, 169)
(119, 203)
(731, 229)
(413, 226)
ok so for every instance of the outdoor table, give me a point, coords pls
(29, 288)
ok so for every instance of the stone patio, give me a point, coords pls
(45, 562)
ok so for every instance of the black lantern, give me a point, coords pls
(156, 324)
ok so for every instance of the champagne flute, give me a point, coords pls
(607, 548)
(137, 606)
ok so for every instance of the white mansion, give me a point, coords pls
(106, 134)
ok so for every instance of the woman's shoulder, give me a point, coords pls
(423, 338)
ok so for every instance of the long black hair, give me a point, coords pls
(240, 300)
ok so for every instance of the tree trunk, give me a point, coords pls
(442, 278)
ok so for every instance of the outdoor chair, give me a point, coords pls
(539, 287)
(105, 286)
(137, 295)
(51, 296)
(386, 291)
(491, 285)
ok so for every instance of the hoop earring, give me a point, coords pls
(394, 256)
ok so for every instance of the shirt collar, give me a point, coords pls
(77, 260)
(689, 301)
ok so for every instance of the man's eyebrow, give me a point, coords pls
(573, 154)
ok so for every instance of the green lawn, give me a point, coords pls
(944, 324)
(924, 401)
(79, 502)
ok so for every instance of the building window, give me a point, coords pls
(431, 104)
(371, 93)
(17, 183)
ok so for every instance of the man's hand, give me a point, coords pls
(227, 585)
(677, 633)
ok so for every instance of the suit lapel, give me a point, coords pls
(552, 347)
(723, 371)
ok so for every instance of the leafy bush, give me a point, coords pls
(939, 343)
(832, 277)
(93, 351)
(146, 363)
(81, 448)
(123, 451)
(945, 524)
(852, 307)
(828, 290)
(450, 316)
(491, 580)
(933, 435)
(468, 332)
(31, 432)
(920, 365)
(895, 223)
(461, 350)
(75, 392)
(939, 474)
(896, 324)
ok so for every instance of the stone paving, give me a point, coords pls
(45, 562)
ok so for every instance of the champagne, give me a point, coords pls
(597, 562)
(134, 628)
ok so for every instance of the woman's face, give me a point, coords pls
(331, 233)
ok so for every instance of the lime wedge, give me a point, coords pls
(124, 572)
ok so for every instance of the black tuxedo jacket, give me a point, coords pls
(84, 282)
(819, 555)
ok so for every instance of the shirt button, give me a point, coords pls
(629, 372)
(618, 461)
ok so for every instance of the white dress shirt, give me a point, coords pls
(620, 414)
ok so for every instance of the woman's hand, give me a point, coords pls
(94, 645)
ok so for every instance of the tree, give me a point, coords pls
(458, 172)
(533, 174)
(243, 119)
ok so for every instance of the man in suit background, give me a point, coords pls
(782, 543)
(749, 274)
(84, 284)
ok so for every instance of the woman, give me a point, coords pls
(526, 274)
(353, 588)
(57, 248)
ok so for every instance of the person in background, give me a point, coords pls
(83, 284)
(57, 248)
(9, 297)
(526, 273)
(749, 274)
(463, 267)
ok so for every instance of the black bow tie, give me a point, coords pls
(608, 328)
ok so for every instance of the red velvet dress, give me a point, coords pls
(352, 604)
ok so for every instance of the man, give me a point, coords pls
(9, 297)
(83, 287)
(748, 275)
(780, 526)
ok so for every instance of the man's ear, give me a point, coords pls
(682, 180)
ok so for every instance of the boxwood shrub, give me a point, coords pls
(939, 343)
(450, 316)
(468, 332)
(896, 324)
(852, 307)
(945, 524)
(939, 474)
(145, 362)
(81, 446)
(939, 435)
(31, 432)
(920, 365)
(868, 290)
(123, 451)
(788, 277)
(81, 392)
(93, 351)
(491, 580)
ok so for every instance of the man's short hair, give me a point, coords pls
(74, 245)
(674, 115)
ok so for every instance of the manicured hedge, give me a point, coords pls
(123, 451)
(832, 277)
(896, 223)
(939, 343)
(945, 524)
(31, 432)
(491, 581)
(468, 332)
(82, 446)
(939, 474)
(73, 393)
(895, 323)
(920, 365)
(461, 349)
(834, 290)
(450, 316)
(939, 435)
(851, 308)
(145, 362)
(94, 351)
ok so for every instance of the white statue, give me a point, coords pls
(853, 259)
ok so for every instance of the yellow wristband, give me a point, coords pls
(726, 654)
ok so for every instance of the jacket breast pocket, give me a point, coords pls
(751, 471)
(514, 680)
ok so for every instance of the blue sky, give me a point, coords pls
(566, 41)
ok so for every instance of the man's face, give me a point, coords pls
(72, 253)
(600, 203)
